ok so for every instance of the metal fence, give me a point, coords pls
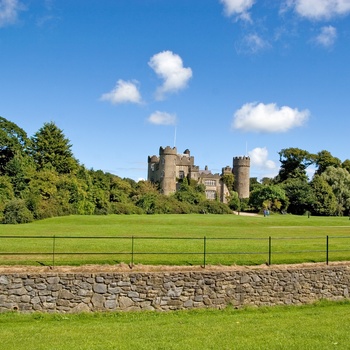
(50, 250)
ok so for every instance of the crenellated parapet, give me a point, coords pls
(167, 151)
(241, 161)
(153, 159)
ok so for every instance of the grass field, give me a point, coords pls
(325, 325)
(176, 240)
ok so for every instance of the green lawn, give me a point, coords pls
(176, 240)
(325, 325)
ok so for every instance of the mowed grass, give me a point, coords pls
(325, 325)
(176, 240)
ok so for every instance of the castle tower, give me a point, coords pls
(153, 165)
(167, 169)
(241, 172)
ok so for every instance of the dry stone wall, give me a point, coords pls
(85, 292)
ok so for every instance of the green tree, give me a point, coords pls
(41, 198)
(6, 192)
(51, 149)
(299, 195)
(294, 162)
(272, 197)
(21, 170)
(13, 139)
(228, 179)
(120, 190)
(346, 165)
(324, 201)
(190, 194)
(339, 180)
(253, 183)
(324, 159)
(234, 202)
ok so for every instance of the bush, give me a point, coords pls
(213, 207)
(125, 208)
(16, 212)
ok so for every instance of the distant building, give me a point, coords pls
(170, 167)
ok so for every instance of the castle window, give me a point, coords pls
(152, 166)
(210, 194)
(210, 183)
(181, 174)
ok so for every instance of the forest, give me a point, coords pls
(41, 178)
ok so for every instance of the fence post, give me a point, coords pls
(132, 250)
(53, 250)
(327, 249)
(205, 251)
(269, 250)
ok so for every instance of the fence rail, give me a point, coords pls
(200, 249)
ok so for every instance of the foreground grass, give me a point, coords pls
(325, 325)
(230, 239)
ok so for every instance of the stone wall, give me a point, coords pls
(126, 291)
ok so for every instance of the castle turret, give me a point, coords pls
(241, 172)
(153, 164)
(167, 168)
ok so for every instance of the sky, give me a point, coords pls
(222, 78)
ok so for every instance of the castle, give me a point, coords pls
(170, 167)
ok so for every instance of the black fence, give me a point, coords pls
(77, 250)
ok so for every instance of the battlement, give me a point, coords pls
(241, 161)
(167, 151)
(153, 159)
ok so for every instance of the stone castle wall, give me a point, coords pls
(129, 291)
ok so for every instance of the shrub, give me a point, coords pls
(213, 207)
(16, 212)
(125, 208)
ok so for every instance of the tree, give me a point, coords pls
(20, 169)
(294, 162)
(254, 183)
(190, 194)
(13, 139)
(6, 189)
(346, 165)
(324, 201)
(228, 179)
(339, 180)
(234, 202)
(324, 159)
(299, 195)
(271, 197)
(51, 149)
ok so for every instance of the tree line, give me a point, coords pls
(41, 178)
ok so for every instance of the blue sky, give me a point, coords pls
(222, 78)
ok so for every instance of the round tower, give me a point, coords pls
(241, 172)
(167, 168)
(152, 168)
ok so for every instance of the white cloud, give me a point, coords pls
(259, 158)
(238, 8)
(162, 118)
(327, 36)
(169, 67)
(124, 92)
(269, 118)
(252, 44)
(322, 9)
(9, 11)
